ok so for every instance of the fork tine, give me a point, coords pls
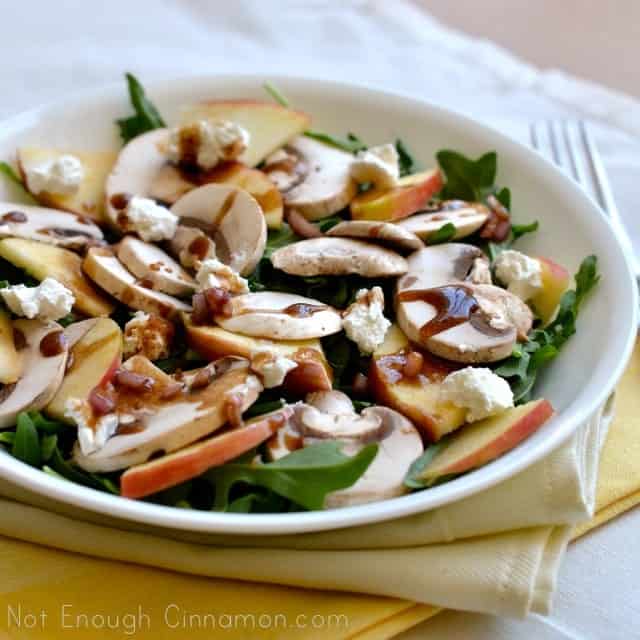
(560, 151)
(578, 153)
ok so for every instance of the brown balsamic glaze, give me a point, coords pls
(14, 216)
(293, 443)
(59, 232)
(19, 341)
(130, 429)
(53, 344)
(233, 410)
(120, 200)
(303, 310)
(454, 305)
(199, 247)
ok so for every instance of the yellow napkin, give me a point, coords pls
(510, 572)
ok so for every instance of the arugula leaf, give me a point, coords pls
(494, 249)
(352, 144)
(47, 426)
(406, 162)
(26, 446)
(8, 171)
(77, 475)
(48, 444)
(443, 234)
(543, 345)
(412, 479)
(305, 476)
(146, 117)
(7, 438)
(467, 179)
(275, 94)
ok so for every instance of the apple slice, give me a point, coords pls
(485, 440)
(411, 194)
(10, 360)
(416, 395)
(270, 126)
(170, 470)
(555, 281)
(94, 360)
(313, 372)
(44, 260)
(89, 199)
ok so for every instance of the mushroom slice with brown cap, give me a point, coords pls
(47, 225)
(42, 373)
(438, 308)
(135, 171)
(320, 183)
(168, 425)
(338, 257)
(109, 273)
(333, 401)
(465, 217)
(387, 233)
(191, 245)
(150, 263)
(280, 316)
(384, 478)
(232, 218)
(313, 423)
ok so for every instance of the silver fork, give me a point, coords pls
(569, 144)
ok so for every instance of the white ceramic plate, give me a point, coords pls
(571, 227)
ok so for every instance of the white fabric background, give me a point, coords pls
(51, 49)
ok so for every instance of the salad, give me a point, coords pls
(237, 312)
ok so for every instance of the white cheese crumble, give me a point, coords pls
(521, 274)
(148, 336)
(207, 143)
(480, 272)
(213, 273)
(378, 165)
(90, 438)
(62, 176)
(151, 221)
(364, 321)
(479, 390)
(50, 300)
(271, 367)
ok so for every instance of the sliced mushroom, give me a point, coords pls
(393, 235)
(177, 422)
(232, 218)
(500, 303)
(109, 273)
(78, 330)
(338, 257)
(384, 478)
(191, 245)
(169, 185)
(317, 182)
(135, 171)
(438, 308)
(313, 423)
(465, 217)
(47, 225)
(42, 374)
(280, 316)
(333, 401)
(150, 263)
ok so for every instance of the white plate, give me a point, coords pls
(571, 226)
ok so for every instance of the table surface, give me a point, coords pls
(59, 47)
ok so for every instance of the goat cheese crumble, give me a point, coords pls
(271, 367)
(149, 335)
(478, 390)
(206, 143)
(213, 273)
(90, 438)
(521, 274)
(50, 300)
(62, 176)
(151, 221)
(379, 165)
(364, 320)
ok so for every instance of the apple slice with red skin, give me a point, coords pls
(94, 357)
(170, 470)
(485, 440)
(555, 281)
(411, 194)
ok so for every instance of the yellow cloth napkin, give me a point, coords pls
(509, 572)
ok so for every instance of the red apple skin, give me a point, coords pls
(400, 202)
(511, 437)
(170, 470)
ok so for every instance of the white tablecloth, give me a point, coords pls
(52, 48)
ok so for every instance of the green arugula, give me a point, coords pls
(305, 476)
(406, 162)
(351, 144)
(467, 179)
(522, 367)
(275, 94)
(413, 478)
(146, 117)
(14, 178)
(26, 445)
(443, 234)
(494, 249)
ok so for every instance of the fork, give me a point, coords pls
(570, 146)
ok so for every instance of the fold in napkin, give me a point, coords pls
(496, 552)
